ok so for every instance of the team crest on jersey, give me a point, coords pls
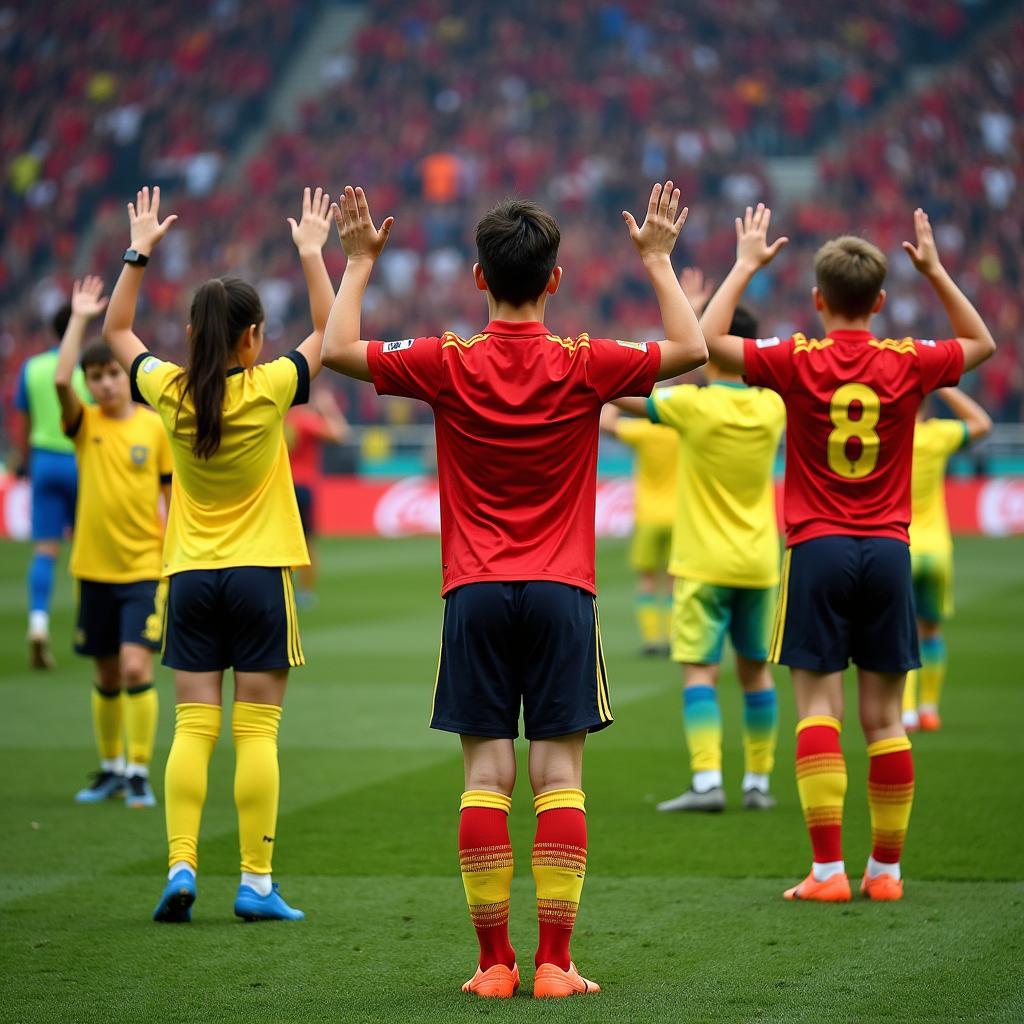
(767, 342)
(397, 346)
(139, 453)
(642, 345)
(150, 364)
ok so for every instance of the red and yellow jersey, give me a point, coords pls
(516, 413)
(851, 401)
(934, 441)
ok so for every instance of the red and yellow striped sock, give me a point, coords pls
(890, 796)
(559, 868)
(485, 857)
(821, 782)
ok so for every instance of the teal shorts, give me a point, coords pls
(703, 613)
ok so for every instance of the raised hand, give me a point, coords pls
(87, 300)
(924, 255)
(752, 246)
(144, 217)
(359, 238)
(661, 227)
(314, 226)
(696, 289)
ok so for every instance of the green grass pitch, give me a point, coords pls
(682, 917)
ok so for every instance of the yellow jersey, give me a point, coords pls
(657, 451)
(121, 463)
(934, 442)
(725, 529)
(237, 507)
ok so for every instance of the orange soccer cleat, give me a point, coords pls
(930, 721)
(883, 887)
(835, 889)
(551, 982)
(497, 982)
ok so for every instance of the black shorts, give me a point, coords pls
(304, 499)
(536, 644)
(843, 599)
(242, 618)
(112, 614)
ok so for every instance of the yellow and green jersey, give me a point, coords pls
(657, 453)
(934, 442)
(121, 462)
(238, 507)
(725, 529)
(37, 398)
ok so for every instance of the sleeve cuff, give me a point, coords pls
(302, 369)
(652, 410)
(72, 429)
(966, 440)
(165, 478)
(133, 375)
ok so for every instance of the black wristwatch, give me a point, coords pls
(136, 259)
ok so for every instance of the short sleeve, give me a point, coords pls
(21, 394)
(149, 378)
(79, 431)
(941, 363)
(409, 369)
(287, 380)
(768, 363)
(672, 406)
(622, 369)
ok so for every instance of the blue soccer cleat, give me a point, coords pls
(175, 906)
(104, 786)
(251, 906)
(138, 792)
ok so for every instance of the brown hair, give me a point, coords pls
(222, 309)
(850, 273)
(517, 247)
(96, 354)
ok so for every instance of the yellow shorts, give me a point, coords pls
(651, 548)
(703, 613)
(932, 573)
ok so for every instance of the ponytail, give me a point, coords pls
(222, 309)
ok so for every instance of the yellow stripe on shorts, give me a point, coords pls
(295, 656)
(779, 629)
(604, 708)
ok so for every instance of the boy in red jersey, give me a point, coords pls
(516, 412)
(851, 400)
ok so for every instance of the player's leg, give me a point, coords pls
(195, 648)
(919, 575)
(264, 645)
(477, 695)
(884, 647)
(665, 586)
(486, 862)
(750, 625)
(643, 557)
(934, 604)
(141, 614)
(700, 621)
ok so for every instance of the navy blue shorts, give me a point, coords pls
(54, 478)
(843, 599)
(242, 618)
(112, 614)
(533, 644)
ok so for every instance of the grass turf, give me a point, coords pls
(681, 919)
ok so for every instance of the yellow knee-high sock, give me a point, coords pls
(910, 691)
(648, 619)
(933, 671)
(257, 782)
(141, 710)
(108, 723)
(195, 734)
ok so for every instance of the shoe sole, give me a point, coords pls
(177, 908)
(251, 918)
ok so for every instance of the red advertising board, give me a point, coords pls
(348, 505)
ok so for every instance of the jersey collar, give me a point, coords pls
(845, 335)
(515, 328)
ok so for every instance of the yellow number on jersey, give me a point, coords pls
(853, 462)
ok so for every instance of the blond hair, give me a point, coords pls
(850, 273)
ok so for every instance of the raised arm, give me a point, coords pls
(309, 236)
(970, 330)
(333, 425)
(683, 348)
(609, 419)
(631, 406)
(963, 407)
(343, 349)
(146, 232)
(87, 302)
(752, 253)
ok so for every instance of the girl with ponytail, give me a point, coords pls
(233, 535)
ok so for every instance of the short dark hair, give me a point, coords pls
(744, 323)
(850, 273)
(59, 323)
(96, 354)
(517, 248)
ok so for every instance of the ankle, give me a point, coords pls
(262, 885)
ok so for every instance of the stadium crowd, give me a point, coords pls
(442, 112)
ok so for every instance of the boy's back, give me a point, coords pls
(516, 414)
